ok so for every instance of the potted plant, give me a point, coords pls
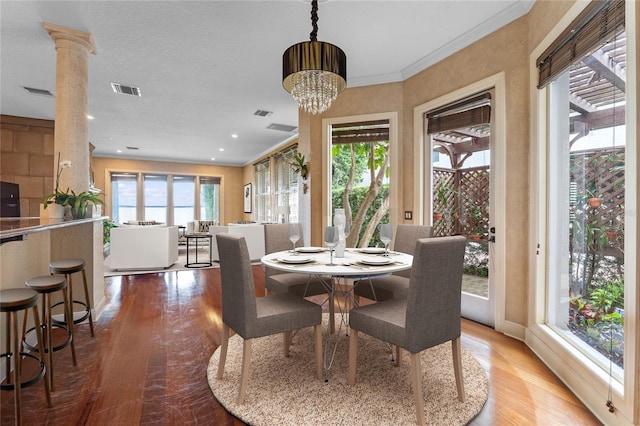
(474, 218)
(58, 198)
(299, 165)
(442, 200)
(79, 202)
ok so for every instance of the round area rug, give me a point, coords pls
(285, 390)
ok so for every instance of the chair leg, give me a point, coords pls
(398, 354)
(416, 384)
(17, 367)
(43, 358)
(457, 368)
(246, 367)
(318, 334)
(287, 343)
(353, 356)
(223, 350)
(86, 295)
(69, 320)
(332, 309)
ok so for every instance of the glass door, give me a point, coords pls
(460, 135)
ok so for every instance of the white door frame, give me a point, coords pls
(423, 172)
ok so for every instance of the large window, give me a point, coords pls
(171, 199)
(184, 198)
(583, 176)
(285, 186)
(262, 192)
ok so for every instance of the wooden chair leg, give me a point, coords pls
(353, 356)
(86, 295)
(398, 354)
(69, 319)
(287, 342)
(17, 367)
(246, 367)
(317, 329)
(223, 350)
(416, 384)
(457, 368)
(332, 309)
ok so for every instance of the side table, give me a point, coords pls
(195, 239)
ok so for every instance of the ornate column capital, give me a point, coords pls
(59, 33)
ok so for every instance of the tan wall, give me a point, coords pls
(27, 159)
(231, 183)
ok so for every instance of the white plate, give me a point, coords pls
(372, 250)
(309, 249)
(295, 259)
(376, 261)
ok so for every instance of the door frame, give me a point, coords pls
(423, 173)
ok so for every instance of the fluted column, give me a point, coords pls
(71, 137)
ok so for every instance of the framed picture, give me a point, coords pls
(247, 198)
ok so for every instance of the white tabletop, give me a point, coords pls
(349, 265)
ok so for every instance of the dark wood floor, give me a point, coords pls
(147, 364)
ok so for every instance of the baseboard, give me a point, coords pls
(513, 330)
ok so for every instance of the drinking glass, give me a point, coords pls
(331, 238)
(294, 234)
(386, 234)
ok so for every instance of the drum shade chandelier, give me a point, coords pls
(314, 72)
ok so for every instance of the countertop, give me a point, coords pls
(16, 226)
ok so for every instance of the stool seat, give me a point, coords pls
(47, 283)
(66, 266)
(17, 299)
(12, 301)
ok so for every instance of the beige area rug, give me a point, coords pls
(284, 391)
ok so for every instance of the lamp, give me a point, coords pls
(314, 72)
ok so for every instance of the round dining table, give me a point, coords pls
(357, 267)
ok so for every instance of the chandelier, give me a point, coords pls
(314, 72)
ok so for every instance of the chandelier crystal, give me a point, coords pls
(314, 72)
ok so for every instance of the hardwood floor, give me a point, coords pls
(147, 364)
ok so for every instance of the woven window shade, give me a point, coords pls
(598, 24)
(366, 131)
(468, 112)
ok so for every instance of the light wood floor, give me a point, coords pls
(147, 364)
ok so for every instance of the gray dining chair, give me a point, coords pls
(397, 284)
(427, 317)
(252, 317)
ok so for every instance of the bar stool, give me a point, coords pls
(46, 285)
(67, 267)
(13, 300)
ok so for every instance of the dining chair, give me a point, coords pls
(252, 317)
(427, 317)
(397, 284)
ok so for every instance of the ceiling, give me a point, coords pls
(205, 67)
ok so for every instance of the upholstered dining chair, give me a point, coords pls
(252, 317)
(396, 284)
(427, 317)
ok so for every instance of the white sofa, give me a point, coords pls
(253, 233)
(143, 247)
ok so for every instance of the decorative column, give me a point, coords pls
(71, 136)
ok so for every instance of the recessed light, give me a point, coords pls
(119, 151)
(90, 117)
(234, 136)
(213, 158)
(220, 149)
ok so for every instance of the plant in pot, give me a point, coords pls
(299, 165)
(442, 200)
(57, 197)
(474, 219)
(80, 201)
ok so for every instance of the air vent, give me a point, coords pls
(282, 127)
(134, 148)
(39, 92)
(262, 113)
(126, 90)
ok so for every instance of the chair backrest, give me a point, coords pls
(433, 299)
(276, 238)
(406, 238)
(238, 292)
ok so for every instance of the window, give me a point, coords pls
(210, 198)
(184, 198)
(171, 199)
(155, 198)
(262, 192)
(124, 197)
(285, 186)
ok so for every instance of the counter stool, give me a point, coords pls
(67, 267)
(46, 285)
(13, 300)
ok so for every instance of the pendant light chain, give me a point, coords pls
(314, 21)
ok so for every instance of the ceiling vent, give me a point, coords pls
(126, 90)
(39, 92)
(262, 113)
(282, 127)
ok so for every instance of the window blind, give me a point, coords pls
(598, 24)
